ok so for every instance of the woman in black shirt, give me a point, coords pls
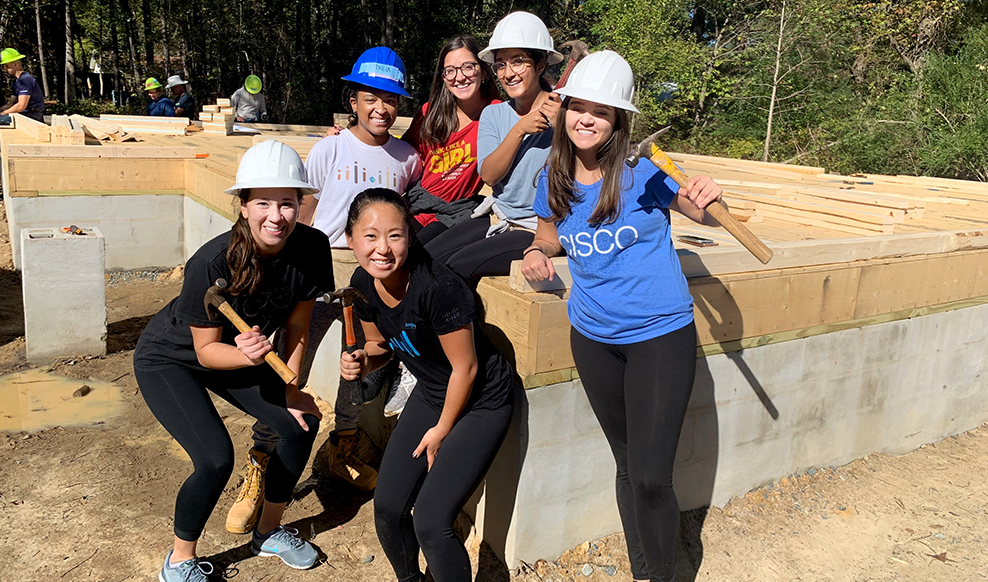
(455, 419)
(276, 268)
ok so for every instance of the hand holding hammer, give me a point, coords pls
(215, 302)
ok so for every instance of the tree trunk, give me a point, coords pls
(388, 39)
(162, 11)
(775, 83)
(148, 38)
(118, 97)
(69, 88)
(131, 33)
(41, 51)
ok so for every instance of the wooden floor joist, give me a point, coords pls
(36, 129)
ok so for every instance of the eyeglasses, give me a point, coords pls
(517, 64)
(468, 69)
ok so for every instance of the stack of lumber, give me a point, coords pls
(64, 131)
(862, 205)
(218, 118)
(147, 124)
(101, 130)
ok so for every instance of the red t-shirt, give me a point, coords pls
(449, 170)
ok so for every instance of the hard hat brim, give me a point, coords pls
(597, 97)
(13, 60)
(305, 187)
(377, 83)
(487, 55)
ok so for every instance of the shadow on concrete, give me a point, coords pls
(697, 472)
(11, 306)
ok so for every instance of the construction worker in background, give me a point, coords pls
(26, 97)
(185, 104)
(159, 106)
(248, 103)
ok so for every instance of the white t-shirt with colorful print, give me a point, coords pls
(343, 166)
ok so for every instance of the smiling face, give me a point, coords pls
(463, 87)
(380, 240)
(376, 112)
(271, 215)
(516, 71)
(589, 125)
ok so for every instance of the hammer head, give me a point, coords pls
(214, 298)
(644, 149)
(346, 295)
(577, 49)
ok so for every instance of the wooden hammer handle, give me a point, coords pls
(717, 209)
(271, 358)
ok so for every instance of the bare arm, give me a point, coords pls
(372, 356)
(16, 105)
(536, 265)
(498, 163)
(700, 192)
(296, 340)
(214, 354)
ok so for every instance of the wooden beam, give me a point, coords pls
(35, 129)
(39, 173)
(98, 151)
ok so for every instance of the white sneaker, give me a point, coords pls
(400, 390)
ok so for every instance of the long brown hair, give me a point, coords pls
(441, 121)
(242, 256)
(562, 165)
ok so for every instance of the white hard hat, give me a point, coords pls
(521, 30)
(271, 164)
(175, 80)
(602, 77)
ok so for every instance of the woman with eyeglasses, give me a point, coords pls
(445, 134)
(512, 146)
(276, 268)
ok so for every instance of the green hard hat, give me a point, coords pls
(253, 84)
(151, 83)
(9, 55)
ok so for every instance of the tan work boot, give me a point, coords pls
(243, 514)
(345, 465)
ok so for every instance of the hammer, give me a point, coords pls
(214, 302)
(347, 295)
(717, 209)
(577, 50)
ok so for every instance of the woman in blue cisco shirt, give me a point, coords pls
(633, 338)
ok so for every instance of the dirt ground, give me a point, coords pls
(92, 498)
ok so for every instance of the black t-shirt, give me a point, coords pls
(437, 302)
(300, 272)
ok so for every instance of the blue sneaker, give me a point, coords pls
(285, 543)
(193, 570)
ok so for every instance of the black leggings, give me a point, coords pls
(639, 393)
(178, 398)
(437, 495)
(467, 251)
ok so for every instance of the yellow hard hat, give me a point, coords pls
(151, 83)
(253, 84)
(9, 55)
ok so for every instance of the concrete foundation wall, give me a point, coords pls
(754, 416)
(201, 225)
(140, 231)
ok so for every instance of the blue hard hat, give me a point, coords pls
(379, 68)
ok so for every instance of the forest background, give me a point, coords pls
(894, 87)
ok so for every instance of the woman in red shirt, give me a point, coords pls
(445, 134)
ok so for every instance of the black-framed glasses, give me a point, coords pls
(517, 64)
(469, 69)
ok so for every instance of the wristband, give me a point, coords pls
(530, 249)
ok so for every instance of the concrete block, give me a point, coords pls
(64, 293)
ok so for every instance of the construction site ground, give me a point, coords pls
(91, 497)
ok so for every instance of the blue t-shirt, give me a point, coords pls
(26, 84)
(628, 285)
(163, 107)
